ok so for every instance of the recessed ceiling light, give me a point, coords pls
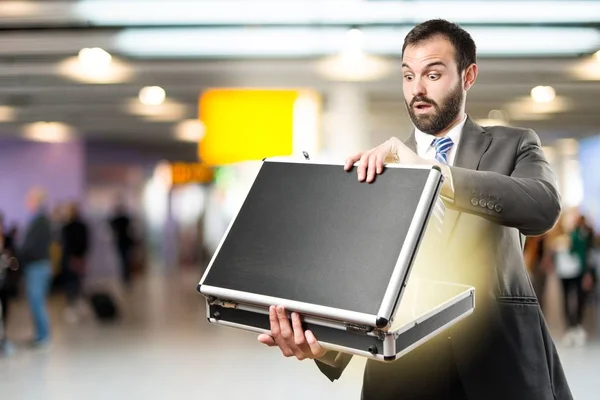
(190, 130)
(526, 109)
(50, 132)
(7, 114)
(94, 58)
(152, 95)
(168, 111)
(107, 71)
(498, 115)
(16, 9)
(543, 94)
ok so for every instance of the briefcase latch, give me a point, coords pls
(224, 304)
(359, 329)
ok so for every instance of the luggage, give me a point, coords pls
(313, 239)
(105, 309)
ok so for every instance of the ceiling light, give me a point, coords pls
(587, 69)
(498, 115)
(15, 9)
(309, 42)
(168, 111)
(302, 12)
(354, 69)
(191, 130)
(7, 114)
(152, 95)
(106, 71)
(526, 109)
(94, 58)
(50, 132)
(543, 94)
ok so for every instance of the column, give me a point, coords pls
(345, 122)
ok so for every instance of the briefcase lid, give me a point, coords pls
(313, 238)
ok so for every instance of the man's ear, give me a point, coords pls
(470, 75)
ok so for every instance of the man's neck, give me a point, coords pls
(455, 122)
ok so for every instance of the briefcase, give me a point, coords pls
(310, 237)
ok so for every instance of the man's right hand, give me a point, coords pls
(291, 339)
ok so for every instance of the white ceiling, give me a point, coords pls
(33, 46)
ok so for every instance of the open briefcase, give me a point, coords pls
(310, 237)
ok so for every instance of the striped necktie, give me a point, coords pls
(442, 147)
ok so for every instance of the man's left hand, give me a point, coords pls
(371, 161)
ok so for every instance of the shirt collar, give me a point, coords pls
(424, 140)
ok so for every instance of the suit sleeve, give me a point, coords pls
(527, 199)
(333, 364)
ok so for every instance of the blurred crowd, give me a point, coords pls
(50, 253)
(570, 252)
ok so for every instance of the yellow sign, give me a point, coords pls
(182, 173)
(246, 124)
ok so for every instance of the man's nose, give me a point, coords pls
(418, 88)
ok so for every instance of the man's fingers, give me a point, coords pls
(268, 340)
(313, 344)
(379, 162)
(351, 160)
(362, 166)
(372, 166)
(280, 330)
(275, 331)
(299, 339)
(285, 329)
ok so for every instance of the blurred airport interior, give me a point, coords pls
(144, 123)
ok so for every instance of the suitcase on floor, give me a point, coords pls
(105, 308)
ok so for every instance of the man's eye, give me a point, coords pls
(434, 77)
(408, 77)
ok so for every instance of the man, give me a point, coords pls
(120, 224)
(498, 187)
(34, 255)
(75, 245)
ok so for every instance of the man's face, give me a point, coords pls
(433, 88)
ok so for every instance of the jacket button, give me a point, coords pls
(498, 208)
(474, 201)
(490, 205)
(482, 203)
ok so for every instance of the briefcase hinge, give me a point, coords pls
(360, 329)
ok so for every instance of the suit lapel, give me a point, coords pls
(473, 144)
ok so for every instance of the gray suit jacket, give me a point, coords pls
(504, 190)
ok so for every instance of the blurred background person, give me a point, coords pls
(539, 263)
(75, 245)
(34, 256)
(57, 221)
(9, 281)
(570, 249)
(121, 225)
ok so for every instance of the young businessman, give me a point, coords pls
(498, 188)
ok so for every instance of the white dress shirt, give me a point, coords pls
(427, 151)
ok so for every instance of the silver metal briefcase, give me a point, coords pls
(310, 237)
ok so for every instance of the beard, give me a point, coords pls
(441, 117)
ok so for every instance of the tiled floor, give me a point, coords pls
(165, 349)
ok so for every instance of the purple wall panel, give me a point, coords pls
(59, 168)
